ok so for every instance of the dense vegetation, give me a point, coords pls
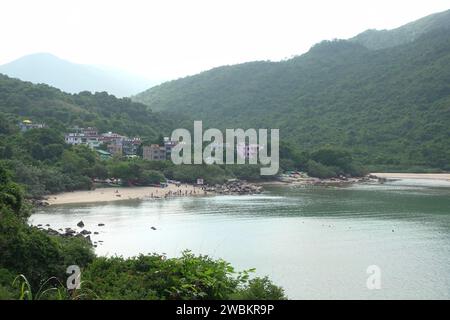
(26, 250)
(389, 107)
(43, 259)
(21, 100)
(41, 161)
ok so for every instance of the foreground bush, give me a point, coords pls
(260, 289)
(189, 277)
(151, 277)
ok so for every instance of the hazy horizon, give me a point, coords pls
(146, 38)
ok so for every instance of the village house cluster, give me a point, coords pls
(112, 144)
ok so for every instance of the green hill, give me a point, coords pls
(60, 110)
(389, 106)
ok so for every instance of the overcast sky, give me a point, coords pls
(167, 39)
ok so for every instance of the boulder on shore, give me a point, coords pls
(234, 187)
(52, 232)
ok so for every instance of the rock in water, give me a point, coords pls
(52, 232)
(80, 224)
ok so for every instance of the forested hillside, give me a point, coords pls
(388, 106)
(41, 103)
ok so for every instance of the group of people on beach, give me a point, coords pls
(180, 192)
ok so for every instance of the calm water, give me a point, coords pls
(316, 242)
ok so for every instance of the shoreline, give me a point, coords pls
(112, 194)
(124, 193)
(372, 177)
(427, 176)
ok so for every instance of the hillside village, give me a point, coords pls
(110, 144)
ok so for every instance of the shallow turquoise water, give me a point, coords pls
(317, 242)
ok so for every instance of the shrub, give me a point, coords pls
(187, 277)
(260, 289)
(319, 170)
(151, 177)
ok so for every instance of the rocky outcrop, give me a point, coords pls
(37, 203)
(85, 232)
(236, 187)
(67, 233)
(343, 180)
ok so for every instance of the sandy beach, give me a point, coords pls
(136, 193)
(124, 193)
(429, 176)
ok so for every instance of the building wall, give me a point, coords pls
(115, 149)
(168, 146)
(154, 152)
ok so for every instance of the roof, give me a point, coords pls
(103, 152)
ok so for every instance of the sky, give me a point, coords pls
(169, 39)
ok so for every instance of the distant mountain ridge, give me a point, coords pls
(74, 78)
(389, 104)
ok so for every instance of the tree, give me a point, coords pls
(5, 125)
(333, 157)
(160, 140)
(149, 177)
(319, 170)
(11, 195)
